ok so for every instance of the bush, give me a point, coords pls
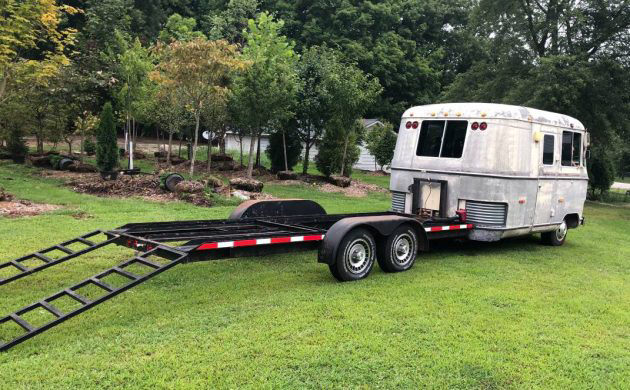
(601, 173)
(89, 147)
(381, 142)
(16, 146)
(106, 147)
(330, 155)
(275, 150)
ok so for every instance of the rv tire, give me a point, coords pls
(556, 237)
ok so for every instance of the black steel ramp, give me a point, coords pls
(19, 269)
(168, 256)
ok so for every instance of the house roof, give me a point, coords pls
(367, 123)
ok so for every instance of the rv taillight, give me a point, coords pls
(415, 125)
(408, 125)
(474, 126)
(483, 126)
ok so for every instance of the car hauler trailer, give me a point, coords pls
(435, 196)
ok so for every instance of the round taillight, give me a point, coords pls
(474, 126)
(415, 125)
(483, 126)
(408, 125)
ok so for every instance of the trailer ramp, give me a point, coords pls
(171, 257)
(18, 268)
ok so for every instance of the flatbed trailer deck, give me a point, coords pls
(253, 229)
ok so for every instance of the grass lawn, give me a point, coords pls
(513, 314)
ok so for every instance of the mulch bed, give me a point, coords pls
(14, 208)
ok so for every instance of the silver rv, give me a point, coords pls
(509, 170)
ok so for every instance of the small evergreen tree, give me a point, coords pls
(330, 156)
(602, 173)
(275, 150)
(16, 146)
(106, 147)
(381, 142)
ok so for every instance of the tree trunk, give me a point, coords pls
(284, 146)
(194, 149)
(181, 139)
(69, 142)
(307, 155)
(240, 143)
(258, 153)
(209, 151)
(250, 163)
(82, 150)
(343, 158)
(170, 146)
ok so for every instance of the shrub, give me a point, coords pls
(106, 147)
(89, 147)
(381, 142)
(601, 173)
(16, 146)
(275, 150)
(330, 154)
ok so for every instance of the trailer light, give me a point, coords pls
(462, 214)
(408, 125)
(483, 126)
(415, 124)
(474, 126)
(446, 114)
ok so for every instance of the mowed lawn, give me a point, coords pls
(513, 314)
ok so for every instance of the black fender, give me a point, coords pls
(381, 226)
(276, 208)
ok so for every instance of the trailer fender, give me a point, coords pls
(380, 226)
(276, 208)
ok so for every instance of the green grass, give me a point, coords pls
(512, 314)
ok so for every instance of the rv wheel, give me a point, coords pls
(355, 256)
(556, 237)
(398, 252)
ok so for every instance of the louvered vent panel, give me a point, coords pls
(486, 213)
(398, 201)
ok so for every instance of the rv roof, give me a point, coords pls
(492, 110)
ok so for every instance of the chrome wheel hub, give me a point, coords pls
(562, 231)
(358, 257)
(402, 249)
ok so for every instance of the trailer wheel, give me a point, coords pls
(355, 257)
(398, 252)
(556, 237)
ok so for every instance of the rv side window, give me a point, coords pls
(442, 139)
(548, 149)
(571, 148)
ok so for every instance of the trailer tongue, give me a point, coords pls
(348, 243)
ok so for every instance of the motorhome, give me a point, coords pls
(512, 170)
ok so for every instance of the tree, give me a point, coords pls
(198, 69)
(313, 102)
(231, 23)
(264, 92)
(170, 111)
(179, 28)
(338, 153)
(84, 125)
(106, 147)
(352, 92)
(284, 147)
(602, 172)
(23, 26)
(381, 142)
(16, 145)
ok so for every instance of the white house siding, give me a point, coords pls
(366, 160)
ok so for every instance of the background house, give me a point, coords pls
(366, 161)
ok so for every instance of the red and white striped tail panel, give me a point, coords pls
(259, 241)
(447, 228)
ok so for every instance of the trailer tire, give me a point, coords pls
(556, 237)
(355, 257)
(397, 252)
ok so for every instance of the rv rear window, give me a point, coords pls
(442, 139)
(571, 147)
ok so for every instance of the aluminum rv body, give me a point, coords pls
(515, 170)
